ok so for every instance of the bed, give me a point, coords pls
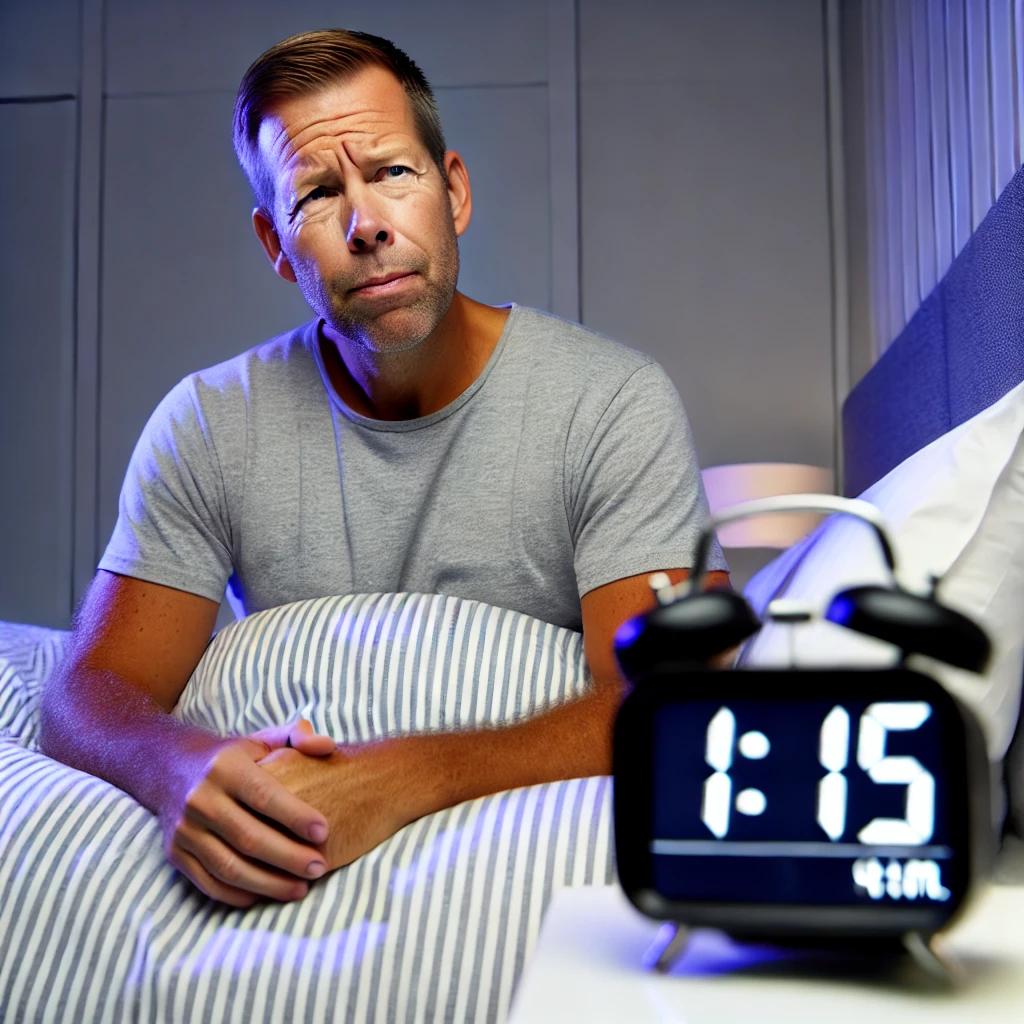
(436, 923)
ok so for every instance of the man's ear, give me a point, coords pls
(459, 194)
(263, 225)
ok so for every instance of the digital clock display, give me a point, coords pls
(812, 800)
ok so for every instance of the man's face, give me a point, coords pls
(361, 212)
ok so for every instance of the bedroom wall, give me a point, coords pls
(658, 170)
(39, 77)
(705, 212)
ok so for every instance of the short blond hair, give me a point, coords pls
(303, 64)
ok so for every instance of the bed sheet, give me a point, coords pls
(434, 924)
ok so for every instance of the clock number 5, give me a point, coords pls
(919, 822)
(833, 753)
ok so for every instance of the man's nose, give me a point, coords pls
(366, 230)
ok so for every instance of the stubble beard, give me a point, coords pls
(395, 330)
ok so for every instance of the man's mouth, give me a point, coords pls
(380, 285)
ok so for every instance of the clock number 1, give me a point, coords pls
(918, 824)
(717, 802)
(833, 753)
(718, 753)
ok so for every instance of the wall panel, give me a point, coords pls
(36, 325)
(193, 45)
(502, 134)
(705, 218)
(39, 46)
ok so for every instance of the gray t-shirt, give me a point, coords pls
(567, 464)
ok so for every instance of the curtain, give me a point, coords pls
(944, 120)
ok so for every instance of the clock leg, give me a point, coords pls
(668, 947)
(938, 964)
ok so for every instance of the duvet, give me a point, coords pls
(435, 924)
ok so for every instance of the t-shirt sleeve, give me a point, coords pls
(637, 502)
(172, 524)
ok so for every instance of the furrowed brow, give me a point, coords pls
(308, 167)
(306, 174)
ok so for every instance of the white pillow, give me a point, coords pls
(955, 510)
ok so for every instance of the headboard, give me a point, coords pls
(960, 352)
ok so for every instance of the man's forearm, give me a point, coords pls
(570, 741)
(94, 720)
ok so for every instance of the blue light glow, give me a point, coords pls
(628, 632)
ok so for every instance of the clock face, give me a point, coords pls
(854, 796)
(826, 801)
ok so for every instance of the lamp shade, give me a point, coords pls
(730, 485)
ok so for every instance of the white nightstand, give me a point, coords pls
(588, 966)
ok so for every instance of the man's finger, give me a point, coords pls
(259, 790)
(273, 737)
(298, 734)
(227, 866)
(252, 838)
(306, 741)
(206, 883)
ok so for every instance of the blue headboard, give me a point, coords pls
(962, 351)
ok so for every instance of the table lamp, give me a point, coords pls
(730, 485)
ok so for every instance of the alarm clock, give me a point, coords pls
(838, 804)
(825, 803)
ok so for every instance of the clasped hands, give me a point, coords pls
(262, 815)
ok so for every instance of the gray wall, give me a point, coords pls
(705, 231)
(658, 169)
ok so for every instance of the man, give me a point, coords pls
(407, 439)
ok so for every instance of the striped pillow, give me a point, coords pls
(434, 924)
(28, 656)
(371, 665)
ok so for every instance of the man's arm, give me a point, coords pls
(368, 791)
(106, 712)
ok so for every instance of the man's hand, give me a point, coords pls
(211, 819)
(365, 791)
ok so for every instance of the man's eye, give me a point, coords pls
(320, 192)
(394, 171)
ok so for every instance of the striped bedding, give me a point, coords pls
(28, 655)
(435, 924)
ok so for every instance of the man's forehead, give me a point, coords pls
(369, 144)
(369, 111)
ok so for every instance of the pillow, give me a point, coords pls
(32, 651)
(955, 510)
(434, 924)
(28, 656)
(364, 666)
